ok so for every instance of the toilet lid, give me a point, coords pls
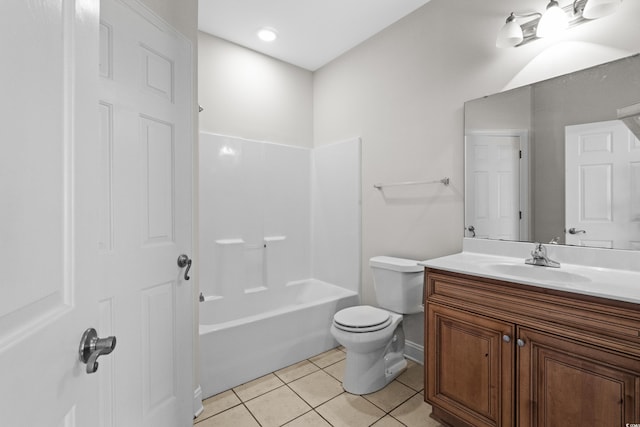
(363, 318)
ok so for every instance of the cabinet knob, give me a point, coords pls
(506, 338)
(520, 342)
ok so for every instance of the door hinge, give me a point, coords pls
(520, 214)
(520, 153)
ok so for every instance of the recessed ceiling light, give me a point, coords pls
(267, 34)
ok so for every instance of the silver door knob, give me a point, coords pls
(506, 338)
(520, 342)
(92, 347)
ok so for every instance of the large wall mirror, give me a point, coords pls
(557, 161)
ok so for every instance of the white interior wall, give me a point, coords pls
(182, 15)
(403, 92)
(253, 96)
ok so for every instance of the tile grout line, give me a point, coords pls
(251, 413)
(386, 413)
(242, 402)
(286, 384)
(312, 408)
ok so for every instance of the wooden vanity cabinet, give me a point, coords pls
(471, 366)
(503, 354)
(564, 383)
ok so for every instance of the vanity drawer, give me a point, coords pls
(606, 323)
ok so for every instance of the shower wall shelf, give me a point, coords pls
(267, 239)
(444, 181)
(230, 241)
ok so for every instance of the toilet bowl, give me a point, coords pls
(374, 352)
(373, 337)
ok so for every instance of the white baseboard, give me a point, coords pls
(197, 402)
(414, 352)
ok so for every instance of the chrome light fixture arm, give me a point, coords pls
(513, 34)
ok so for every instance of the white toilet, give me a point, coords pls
(373, 337)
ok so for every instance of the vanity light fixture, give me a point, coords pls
(594, 9)
(521, 28)
(267, 34)
(512, 33)
(553, 22)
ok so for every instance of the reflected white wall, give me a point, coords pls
(257, 202)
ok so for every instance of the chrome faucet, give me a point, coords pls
(539, 257)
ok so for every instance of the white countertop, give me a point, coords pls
(611, 283)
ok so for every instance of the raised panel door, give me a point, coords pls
(47, 213)
(602, 185)
(146, 141)
(566, 383)
(496, 194)
(469, 366)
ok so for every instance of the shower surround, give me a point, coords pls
(279, 253)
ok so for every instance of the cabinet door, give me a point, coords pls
(566, 383)
(470, 366)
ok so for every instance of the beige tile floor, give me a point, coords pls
(309, 393)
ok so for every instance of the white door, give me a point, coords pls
(146, 153)
(76, 192)
(48, 253)
(602, 185)
(495, 193)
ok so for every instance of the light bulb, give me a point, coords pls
(510, 34)
(553, 21)
(267, 34)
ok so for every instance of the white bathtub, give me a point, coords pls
(265, 331)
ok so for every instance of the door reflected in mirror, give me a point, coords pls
(552, 161)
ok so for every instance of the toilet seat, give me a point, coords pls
(361, 319)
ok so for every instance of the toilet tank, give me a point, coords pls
(398, 283)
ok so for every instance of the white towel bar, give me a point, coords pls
(444, 181)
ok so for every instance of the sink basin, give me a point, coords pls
(534, 272)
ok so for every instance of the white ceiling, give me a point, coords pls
(311, 33)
